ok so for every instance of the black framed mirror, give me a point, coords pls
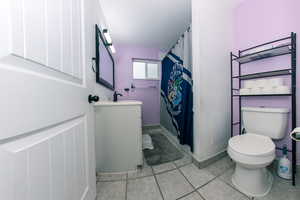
(105, 65)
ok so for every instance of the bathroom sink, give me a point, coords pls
(118, 103)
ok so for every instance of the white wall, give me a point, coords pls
(212, 32)
(93, 15)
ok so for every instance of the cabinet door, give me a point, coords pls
(118, 138)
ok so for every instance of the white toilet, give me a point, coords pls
(255, 150)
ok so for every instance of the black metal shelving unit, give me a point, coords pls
(287, 48)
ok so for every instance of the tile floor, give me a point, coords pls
(182, 180)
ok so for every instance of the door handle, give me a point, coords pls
(93, 98)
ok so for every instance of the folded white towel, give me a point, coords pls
(147, 142)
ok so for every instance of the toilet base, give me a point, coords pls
(252, 182)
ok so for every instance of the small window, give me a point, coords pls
(139, 70)
(146, 69)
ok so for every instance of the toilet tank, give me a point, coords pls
(271, 122)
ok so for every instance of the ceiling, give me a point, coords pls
(147, 23)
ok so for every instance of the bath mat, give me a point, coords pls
(164, 151)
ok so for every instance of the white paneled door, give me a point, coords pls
(44, 112)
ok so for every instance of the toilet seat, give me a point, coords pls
(251, 150)
(252, 144)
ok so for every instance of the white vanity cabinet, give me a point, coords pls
(118, 136)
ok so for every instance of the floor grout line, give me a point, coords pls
(140, 177)
(183, 164)
(180, 169)
(153, 173)
(164, 171)
(216, 177)
(200, 195)
(235, 188)
(206, 183)
(195, 189)
(126, 186)
(155, 178)
(186, 195)
(112, 180)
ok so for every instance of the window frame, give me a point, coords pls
(147, 62)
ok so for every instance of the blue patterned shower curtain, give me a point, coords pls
(176, 92)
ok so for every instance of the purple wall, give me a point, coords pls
(260, 21)
(123, 79)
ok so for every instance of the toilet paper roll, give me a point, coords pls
(269, 90)
(245, 91)
(282, 90)
(249, 84)
(261, 83)
(257, 90)
(275, 82)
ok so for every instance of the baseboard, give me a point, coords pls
(151, 126)
(205, 163)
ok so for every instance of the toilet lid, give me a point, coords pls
(252, 144)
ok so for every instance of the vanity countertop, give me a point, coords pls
(118, 103)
